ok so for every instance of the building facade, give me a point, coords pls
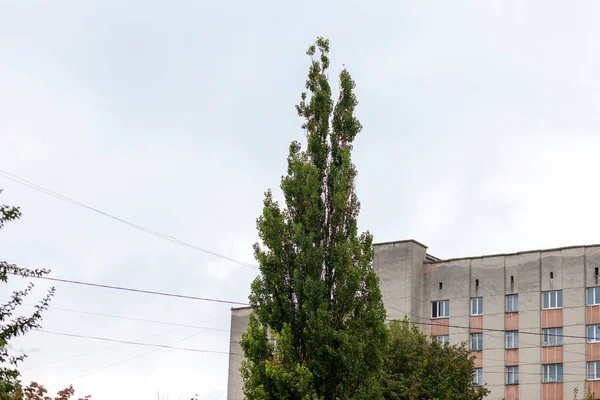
(531, 319)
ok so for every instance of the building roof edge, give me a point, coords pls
(240, 308)
(512, 254)
(400, 241)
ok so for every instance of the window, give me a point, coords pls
(552, 336)
(512, 375)
(478, 376)
(593, 370)
(442, 339)
(593, 296)
(512, 340)
(552, 299)
(440, 309)
(552, 373)
(593, 333)
(476, 341)
(512, 303)
(477, 306)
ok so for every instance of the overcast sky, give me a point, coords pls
(481, 135)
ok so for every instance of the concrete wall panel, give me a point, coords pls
(529, 272)
(574, 297)
(592, 261)
(511, 322)
(529, 301)
(593, 352)
(239, 324)
(512, 392)
(493, 276)
(459, 335)
(494, 304)
(552, 391)
(529, 320)
(493, 362)
(573, 271)
(551, 263)
(530, 390)
(592, 315)
(511, 268)
(493, 339)
(391, 263)
(574, 315)
(511, 357)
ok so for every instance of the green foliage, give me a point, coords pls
(10, 327)
(317, 295)
(588, 396)
(418, 368)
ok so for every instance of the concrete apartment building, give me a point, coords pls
(531, 319)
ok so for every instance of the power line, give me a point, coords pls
(152, 321)
(158, 347)
(181, 296)
(135, 357)
(114, 346)
(59, 196)
(477, 330)
(134, 343)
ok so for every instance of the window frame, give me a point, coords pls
(478, 373)
(514, 371)
(595, 296)
(555, 336)
(477, 304)
(596, 369)
(479, 342)
(547, 372)
(436, 304)
(515, 304)
(442, 341)
(515, 340)
(597, 336)
(558, 299)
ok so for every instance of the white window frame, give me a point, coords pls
(551, 337)
(552, 373)
(512, 339)
(512, 375)
(479, 341)
(478, 376)
(553, 296)
(441, 307)
(593, 370)
(594, 293)
(476, 306)
(442, 339)
(595, 336)
(514, 303)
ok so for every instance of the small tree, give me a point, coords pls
(12, 327)
(35, 391)
(317, 329)
(589, 395)
(418, 368)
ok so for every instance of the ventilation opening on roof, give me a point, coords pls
(596, 271)
(440, 285)
(551, 275)
(512, 279)
(476, 282)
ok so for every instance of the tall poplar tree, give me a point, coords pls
(317, 327)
